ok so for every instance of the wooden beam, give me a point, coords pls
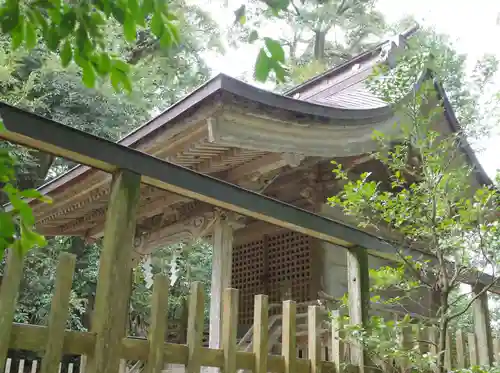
(266, 163)
(54, 138)
(110, 312)
(31, 337)
(158, 204)
(194, 226)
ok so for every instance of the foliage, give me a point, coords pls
(75, 30)
(432, 208)
(36, 80)
(183, 263)
(323, 32)
(193, 264)
(37, 286)
(18, 222)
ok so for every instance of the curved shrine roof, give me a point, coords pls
(239, 133)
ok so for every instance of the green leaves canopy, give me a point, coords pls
(76, 31)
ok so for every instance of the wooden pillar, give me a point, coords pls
(359, 297)
(482, 327)
(221, 276)
(110, 312)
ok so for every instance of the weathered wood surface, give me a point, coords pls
(359, 297)
(8, 294)
(195, 327)
(59, 312)
(261, 333)
(229, 329)
(288, 339)
(111, 304)
(158, 328)
(482, 327)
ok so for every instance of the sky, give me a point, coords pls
(472, 26)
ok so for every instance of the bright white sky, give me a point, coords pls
(473, 26)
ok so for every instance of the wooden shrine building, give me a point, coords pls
(277, 145)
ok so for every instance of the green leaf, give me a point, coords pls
(89, 76)
(134, 9)
(29, 35)
(30, 239)
(52, 39)
(157, 25)
(115, 79)
(129, 28)
(279, 71)
(119, 79)
(104, 64)
(118, 13)
(262, 66)
(17, 36)
(30, 193)
(121, 65)
(147, 7)
(279, 4)
(254, 35)
(127, 84)
(7, 224)
(166, 40)
(174, 32)
(275, 49)
(66, 53)
(239, 15)
(10, 17)
(68, 23)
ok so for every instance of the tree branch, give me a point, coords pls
(483, 290)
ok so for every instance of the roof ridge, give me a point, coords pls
(360, 57)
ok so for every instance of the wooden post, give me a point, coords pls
(406, 345)
(496, 349)
(8, 294)
(359, 297)
(158, 328)
(229, 329)
(448, 361)
(221, 276)
(34, 365)
(471, 340)
(338, 348)
(422, 338)
(482, 327)
(110, 312)
(461, 349)
(195, 326)
(433, 338)
(313, 343)
(59, 311)
(260, 332)
(288, 339)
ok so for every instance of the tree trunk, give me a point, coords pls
(319, 45)
(443, 329)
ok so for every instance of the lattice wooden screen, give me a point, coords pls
(287, 265)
